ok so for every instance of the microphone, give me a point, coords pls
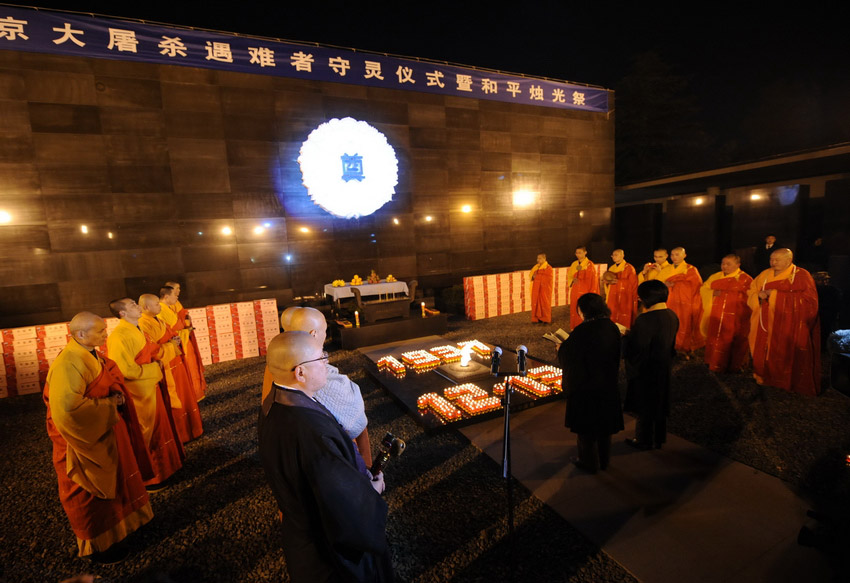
(521, 351)
(495, 361)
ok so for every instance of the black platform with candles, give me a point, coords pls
(445, 395)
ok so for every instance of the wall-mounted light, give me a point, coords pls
(524, 198)
(258, 230)
(304, 230)
(110, 235)
(5, 217)
(84, 229)
(698, 200)
(428, 218)
(466, 208)
(226, 231)
(396, 221)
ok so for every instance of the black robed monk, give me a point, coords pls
(649, 352)
(590, 359)
(334, 519)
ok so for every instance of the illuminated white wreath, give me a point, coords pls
(348, 167)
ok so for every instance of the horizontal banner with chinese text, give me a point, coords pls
(86, 36)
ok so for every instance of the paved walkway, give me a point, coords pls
(678, 514)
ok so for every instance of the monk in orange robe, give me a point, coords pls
(134, 355)
(98, 449)
(175, 315)
(784, 328)
(542, 283)
(621, 290)
(184, 404)
(684, 282)
(725, 320)
(583, 280)
(659, 268)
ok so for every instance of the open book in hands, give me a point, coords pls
(557, 337)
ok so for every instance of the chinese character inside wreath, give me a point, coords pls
(352, 167)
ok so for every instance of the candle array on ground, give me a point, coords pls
(479, 347)
(392, 364)
(439, 405)
(527, 386)
(472, 399)
(548, 375)
(420, 360)
(446, 353)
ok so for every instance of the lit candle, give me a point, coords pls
(357, 319)
(423, 309)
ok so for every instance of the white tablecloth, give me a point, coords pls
(367, 289)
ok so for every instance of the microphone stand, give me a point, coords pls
(506, 461)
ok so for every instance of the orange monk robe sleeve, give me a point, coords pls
(85, 423)
(707, 297)
(684, 300)
(762, 316)
(124, 344)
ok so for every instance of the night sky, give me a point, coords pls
(750, 69)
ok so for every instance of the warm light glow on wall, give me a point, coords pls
(395, 221)
(304, 230)
(110, 235)
(698, 201)
(5, 217)
(84, 229)
(226, 231)
(524, 198)
(258, 230)
(581, 214)
(428, 218)
(755, 196)
(466, 208)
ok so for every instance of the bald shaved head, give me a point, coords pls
(678, 255)
(287, 351)
(150, 304)
(83, 322)
(286, 317)
(309, 320)
(780, 260)
(88, 329)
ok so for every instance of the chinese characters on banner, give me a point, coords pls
(79, 35)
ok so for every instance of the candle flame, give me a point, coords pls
(465, 355)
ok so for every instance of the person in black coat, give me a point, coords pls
(590, 359)
(334, 519)
(649, 351)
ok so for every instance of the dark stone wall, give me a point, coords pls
(156, 160)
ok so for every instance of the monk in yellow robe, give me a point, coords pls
(659, 268)
(175, 315)
(582, 278)
(621, 290)
(184, 404)
(784, 327)
(135, 355)
(725, 322)
(684, 282)
(542, 278)
(98, 448)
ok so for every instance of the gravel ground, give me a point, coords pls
(446, 500)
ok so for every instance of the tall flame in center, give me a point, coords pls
(465, 355)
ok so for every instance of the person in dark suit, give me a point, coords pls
(761, 257)
(590, 359)
(649, 351)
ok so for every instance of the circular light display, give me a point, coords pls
(348, 167)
